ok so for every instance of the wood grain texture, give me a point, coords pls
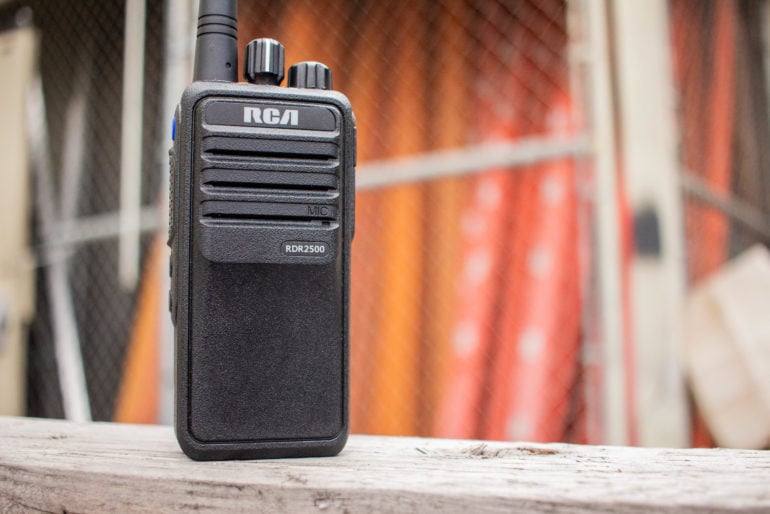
(58, 466)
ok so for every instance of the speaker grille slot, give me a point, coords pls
(269, 180)
(222, 146)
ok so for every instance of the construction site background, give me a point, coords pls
(561, 213)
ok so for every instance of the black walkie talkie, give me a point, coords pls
(262, 190)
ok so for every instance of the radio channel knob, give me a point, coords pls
(264, 62)
(310, 75)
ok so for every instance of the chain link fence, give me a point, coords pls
(725, 128)
(474, 263)
(80, 55)
(449, 242)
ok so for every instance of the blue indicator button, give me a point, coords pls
(173, 129)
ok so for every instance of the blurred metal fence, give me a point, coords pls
(466, 281)
(78, 136)
(477, 269)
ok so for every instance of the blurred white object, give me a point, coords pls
(727, 350)
(131, 144)
(650, 162)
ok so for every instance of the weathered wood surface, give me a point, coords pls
(56, 466)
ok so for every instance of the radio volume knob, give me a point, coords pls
(310, 75)
(264, 62)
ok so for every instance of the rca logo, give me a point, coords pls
(271, 116)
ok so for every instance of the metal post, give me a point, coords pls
(606, 221)
(650, 163)
(131, 143)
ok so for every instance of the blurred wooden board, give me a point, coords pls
(59, 466)
(18, 54)
(727, 350)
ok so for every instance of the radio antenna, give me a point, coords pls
(216, 48)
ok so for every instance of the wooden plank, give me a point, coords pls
(59, 466)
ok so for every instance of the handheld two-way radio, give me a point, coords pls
(262, 189)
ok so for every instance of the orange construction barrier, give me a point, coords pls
(395, 375)
(365, 88)
(450, 82)
(137, 400)
(537, 351)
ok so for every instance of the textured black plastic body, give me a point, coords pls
(261, 224)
